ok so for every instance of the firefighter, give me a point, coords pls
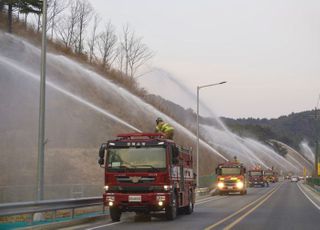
(235, 159)
(164, 128)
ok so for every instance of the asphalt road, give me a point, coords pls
(280, 206)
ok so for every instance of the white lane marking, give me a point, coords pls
(106, 225)
(202, 201)
(317, 206)
(209, 200)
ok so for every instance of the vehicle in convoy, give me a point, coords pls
(231, 177)
(256, 177)
(294, 179)
(271, 176)
(145, 173)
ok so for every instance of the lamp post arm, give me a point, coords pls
(204, 86)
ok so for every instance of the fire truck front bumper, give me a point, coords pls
(231, 187)
(253, 183)
(137, 202)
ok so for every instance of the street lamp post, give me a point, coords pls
(317, 163)
(41, 141)
(198, 91)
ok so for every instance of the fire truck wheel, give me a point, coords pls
(189, 208)
(221, 193)
(115, 214)
(171, 210)
(243, 192)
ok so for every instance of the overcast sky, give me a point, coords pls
(268, 51)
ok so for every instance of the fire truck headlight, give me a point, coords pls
(106, 188)
(160, 203)
(110, 203)
(240, 184)
(220, 185)
(167, 187)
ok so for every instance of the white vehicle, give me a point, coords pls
(294, 179)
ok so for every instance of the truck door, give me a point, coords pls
(181, 177)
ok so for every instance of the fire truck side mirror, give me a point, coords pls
(101, 154)
(217, 171)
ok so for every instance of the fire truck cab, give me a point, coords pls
(145, 173)
(257, 177)
(271, 176)
(231, 177)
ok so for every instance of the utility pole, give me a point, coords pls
(41, 137)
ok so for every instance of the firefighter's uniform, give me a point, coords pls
(166, 129)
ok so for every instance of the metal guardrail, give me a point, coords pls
(202, 191)
(23, 193)
(12, 209)
(314, 183)
(34, 207)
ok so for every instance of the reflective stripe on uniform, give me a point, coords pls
(165, 127)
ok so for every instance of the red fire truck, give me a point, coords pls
(231, 177)
(145, 173)
(271, 175)
(257, 177)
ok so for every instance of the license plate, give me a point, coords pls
(134, 198)
(230, 187)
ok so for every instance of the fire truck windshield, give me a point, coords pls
(230, 171)
(269, 173)
(257, 173)
(136, 159)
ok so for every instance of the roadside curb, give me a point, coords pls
(311, 194)
(311, 188)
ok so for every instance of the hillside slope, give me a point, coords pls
(291, 129)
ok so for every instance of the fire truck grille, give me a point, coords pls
(135, 179)
(136, 189)
(230, 182)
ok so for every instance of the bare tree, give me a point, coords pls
(135, 53)
(120, 58)
(93, 38)
(107, 45)
(66, 28)
(127, 37)
(139, 55)
(85, 14)
(55, 8)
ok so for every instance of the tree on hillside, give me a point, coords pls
(85, 12)
(1, 6)
(10, 5)
(139, 55)
(66, 29)
(55, 8)
(23, 6)
(32, 6)
(93, 38)
(107, 45)
(134, 53)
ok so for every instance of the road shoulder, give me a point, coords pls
(310, 193)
